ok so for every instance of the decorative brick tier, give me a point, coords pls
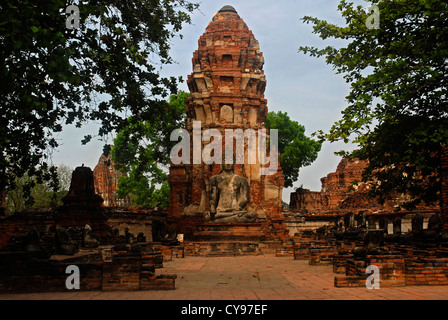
(286, 250)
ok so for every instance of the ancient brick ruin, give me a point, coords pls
(37, 247)
(343, 191)
(82, 205)
(227, 92)
(336, 192)
(120, 248)
(106, 182)
(351, 232)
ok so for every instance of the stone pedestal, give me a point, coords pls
(229, 232)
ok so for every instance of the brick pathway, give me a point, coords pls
(263, 277)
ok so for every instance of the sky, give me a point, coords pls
(305, 87)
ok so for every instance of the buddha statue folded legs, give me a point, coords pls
(229, 195)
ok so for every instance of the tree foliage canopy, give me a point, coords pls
(43, 194)
(104, 71)
(296, 149)
(397, 108)
(142, 150)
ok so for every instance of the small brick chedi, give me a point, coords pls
(227, 95)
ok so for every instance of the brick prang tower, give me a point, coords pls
(227, 92)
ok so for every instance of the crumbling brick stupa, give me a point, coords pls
(106, 182)
(227, 92)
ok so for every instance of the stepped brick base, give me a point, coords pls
(321, 255)
(228, 232)
(427, 271)
(229, 239)
(286, 250)
(222, 249)
(302, 249)
(392, 272)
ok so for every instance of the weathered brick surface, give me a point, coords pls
(21, 224)
(306, 199)
(320, 255)
(172, 252)
(340, 262)
(414, 268)
(123, 273)
(153, 256)
(286, 250)
(302, 249)
(391, 268)
(231, 232)
(426, 271)
(335, 188)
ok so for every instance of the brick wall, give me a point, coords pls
(391, 268)
(21, 224)
(135, 220)
(121, 274)
(20, 273)
(321, 255)
(413, 267)
(125, 271)
(305, 199)
(426, 271)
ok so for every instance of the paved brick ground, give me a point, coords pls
(250, 278)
